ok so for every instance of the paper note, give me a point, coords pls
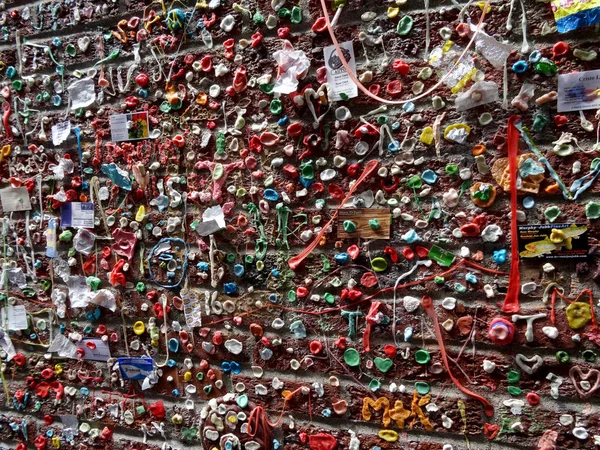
(17, 317)
(135, 368)
(77, 215)
(337, 77)
(63, 346)
(15, 199)
(50, 234)
(60, 132)
(578, 91)
(7, 345)
(82, 93)
(129, 127)
(95, 350)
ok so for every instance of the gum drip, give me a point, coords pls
(525, 47)
(509, 25)
(427, 304)
(427, 30)
(511, 301)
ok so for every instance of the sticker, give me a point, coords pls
(15, 199)
(337, 77)
(95, 350)
(441, 256)
(77, 215)
(554, 241)
(17, 317)
(192, 307)
(136, 368)
(60, 132)
(367, 223)
(578, 91)
(129, 127)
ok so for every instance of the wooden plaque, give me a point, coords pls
(361, 218)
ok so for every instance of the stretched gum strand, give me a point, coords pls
(446, 273)
(511, 301)
(427, 304)
(398, 102)
(297, 260)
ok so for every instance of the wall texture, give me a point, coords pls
(161, 327)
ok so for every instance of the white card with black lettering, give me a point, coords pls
(578, 91)
(17, 317)
(340, 82)
(60, 132)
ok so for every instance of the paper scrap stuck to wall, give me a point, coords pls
(17, 317)
(129, 127)
(95, 350)
(578, 91)
(77, 215)
(60, 132)
(341, 84)
(135, 368)
(15, 199)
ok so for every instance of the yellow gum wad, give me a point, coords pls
(399, 414)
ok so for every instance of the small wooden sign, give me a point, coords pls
(361, 218)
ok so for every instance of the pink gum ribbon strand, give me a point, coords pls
(427, 304)
(340, 55)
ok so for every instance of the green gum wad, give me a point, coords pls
(308, 171)
(415, 182)
(404, 26)
(513, 376)
(349, 226)
(220, 142)
(296, 16)
(276, 106)
(258, 18)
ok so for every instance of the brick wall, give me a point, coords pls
(335, 353)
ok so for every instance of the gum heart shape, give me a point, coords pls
(490, 431)
(383, 364)
(83, 43)
(529, 365)
(576, 372)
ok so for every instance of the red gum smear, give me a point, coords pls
(427, 304)
(511, 301)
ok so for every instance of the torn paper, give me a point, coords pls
(63, 347)
(495, 52)
(82, 93)
(292, 65)
(104, 298)
(80, 293)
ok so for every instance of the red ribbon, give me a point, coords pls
(511, 301)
